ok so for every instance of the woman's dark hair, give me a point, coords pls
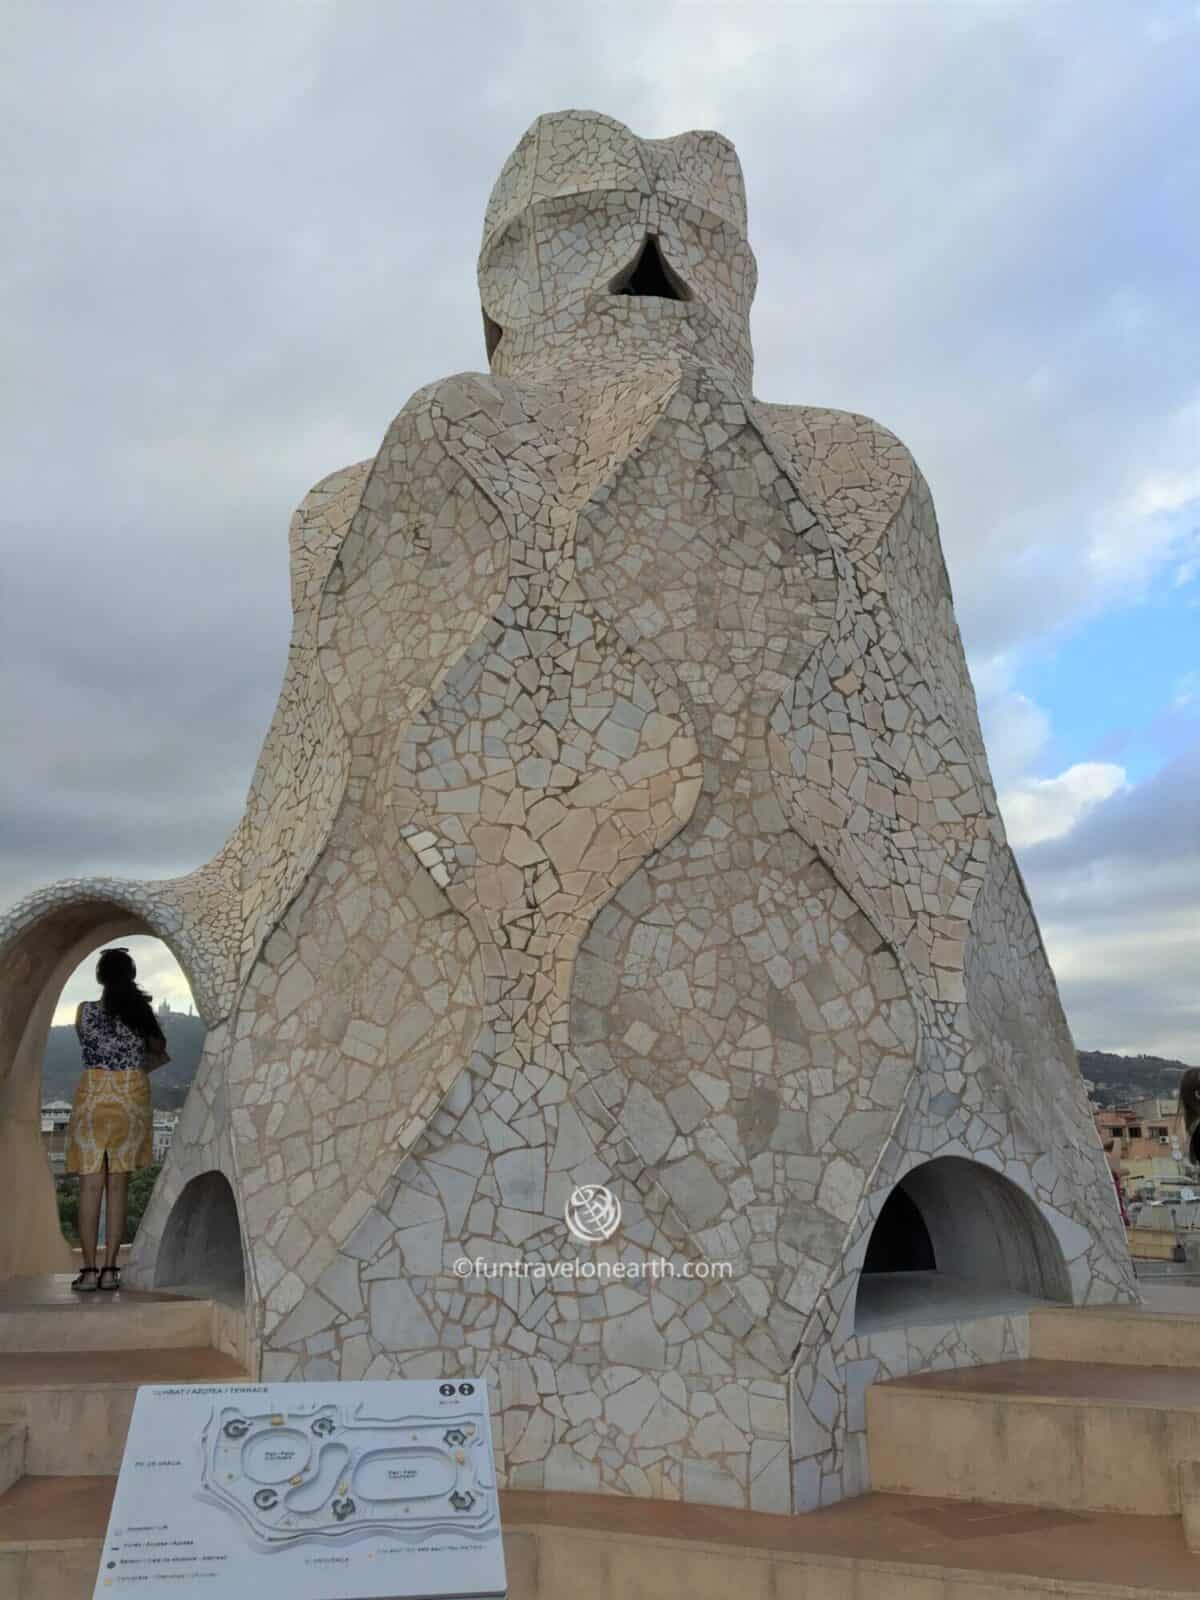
(1189, 1109)
(116, 975)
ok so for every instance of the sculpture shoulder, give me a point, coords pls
(332, 494)
(453, 400)
(340, 492)
(469, 415)
(319, 525)
(474, 407)
(852, 465)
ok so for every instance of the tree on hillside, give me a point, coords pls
(141, 1187)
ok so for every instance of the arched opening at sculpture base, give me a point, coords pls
(158, 974)
(956, 1241)
(39, 956)
(201, 1249)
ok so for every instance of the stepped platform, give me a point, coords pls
(1164, 1333)
(71, 1364)
(600, 1547)
(1074, 1436)
(76, 1405)
(1058, 1476)
(47, 1314)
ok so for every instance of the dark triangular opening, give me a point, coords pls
(900, 1240)
(650, 275)
(492, 334)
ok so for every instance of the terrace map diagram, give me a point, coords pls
(334, 1472)
(316, 1491)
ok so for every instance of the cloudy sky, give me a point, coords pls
(239, 237)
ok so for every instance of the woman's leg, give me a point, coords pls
(114, 1216)
(91, 1187)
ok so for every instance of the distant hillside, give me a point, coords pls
(1119, 1079)
(169, 1085)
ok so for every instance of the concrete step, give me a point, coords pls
(46, 1314)
(1117, 1335)
(608, 1547)
(76, 1406)
(1189, 1493)
(51, 1535)
(1077, 1436)
(12, 1453)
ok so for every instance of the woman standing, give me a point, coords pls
(110, 1133)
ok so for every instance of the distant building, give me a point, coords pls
(1141, 1131)
(1159, 1108)
(55, 1116)
(164, 1130)
(1143, 1145)
(1152, 1174)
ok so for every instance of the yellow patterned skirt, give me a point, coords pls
(111, 1115)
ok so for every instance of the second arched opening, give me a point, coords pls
(955, 1241)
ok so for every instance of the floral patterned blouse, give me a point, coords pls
(109, 1045)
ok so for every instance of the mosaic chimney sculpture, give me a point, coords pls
(625, 820)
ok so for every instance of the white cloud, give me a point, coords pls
(1038, 809)
(1148, 527)
(1102, 971)
(1167, 492)
(1017, 731)
(1188, 568)
(1015, 728)
(1117, 899)
(1108, 953)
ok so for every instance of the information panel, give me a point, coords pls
(307, 1491)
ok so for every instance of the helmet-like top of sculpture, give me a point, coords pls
(597, 242)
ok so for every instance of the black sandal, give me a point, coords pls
(109, 1272)
(82, 1285)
